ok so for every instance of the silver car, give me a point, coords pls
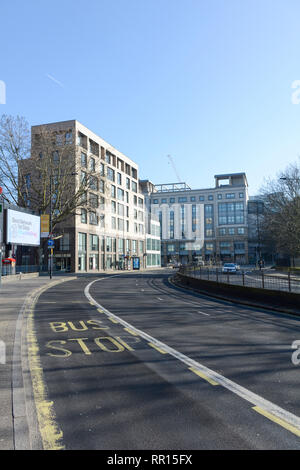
(230, 268)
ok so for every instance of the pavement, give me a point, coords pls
(13, 294)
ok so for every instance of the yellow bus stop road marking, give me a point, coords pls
(113, 320)
(131, 331)
(203, 376)
(162, 351)
(276, 420)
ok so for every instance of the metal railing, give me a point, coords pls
(257, 279)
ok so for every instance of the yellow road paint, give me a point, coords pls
(99, 310)
(203, 376)
(51, 433)
(162, 351)
(113, 320)
(131, 331)
(277, 420)
(124, 344)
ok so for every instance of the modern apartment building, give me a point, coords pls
(108, 229)
(208, 224)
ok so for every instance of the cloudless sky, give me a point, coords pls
(206, 81)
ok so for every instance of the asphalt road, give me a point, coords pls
(184, 371)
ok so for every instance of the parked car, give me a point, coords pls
(230, 268)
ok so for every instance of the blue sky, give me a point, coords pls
(208, 82)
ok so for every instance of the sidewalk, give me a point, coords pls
(12, 297)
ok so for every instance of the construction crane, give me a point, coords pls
(170, 158)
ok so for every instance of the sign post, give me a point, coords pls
(50, 247)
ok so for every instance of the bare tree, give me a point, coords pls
(281, 221)
(14, 148)
(44, 177)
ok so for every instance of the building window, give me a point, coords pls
(113, 191)
(68, 137)
(155, 201)
(120, 194)
(171, 225)
(127, 183)
(110, 174)
(108, 158)
(102, 173)
(201, 198)
(182, 199)
(192, 198)
(27, 181)
(231, 213)
(55, 156)
(64, 242)
(92, 164)
(172, 200)
(82, 242)
(83, 178)
(134, 186)
(94, 242)
(119, 179)
(113, 223)
(121, 245)
(230, 195)
(120, 209)
(83, 160)
(194, 218)
(241, 195)
(93, 183)
(219, 196)
(113, 207)
(93, 219)
(231, 231)
(83, 216)
(210, 197)
(182, 222)
(171, 247)
(164, 201)
(241, 230)
(120, 224)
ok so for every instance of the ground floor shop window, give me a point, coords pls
(94, 262)
(81, 262)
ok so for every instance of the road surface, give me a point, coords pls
(130, 361)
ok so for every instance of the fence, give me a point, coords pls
(287, 283)
(25, 269)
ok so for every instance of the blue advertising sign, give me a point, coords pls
(50, 243)
(136, 263)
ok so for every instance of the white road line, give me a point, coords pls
(237, 389)
(159, 298)
(203, 313)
